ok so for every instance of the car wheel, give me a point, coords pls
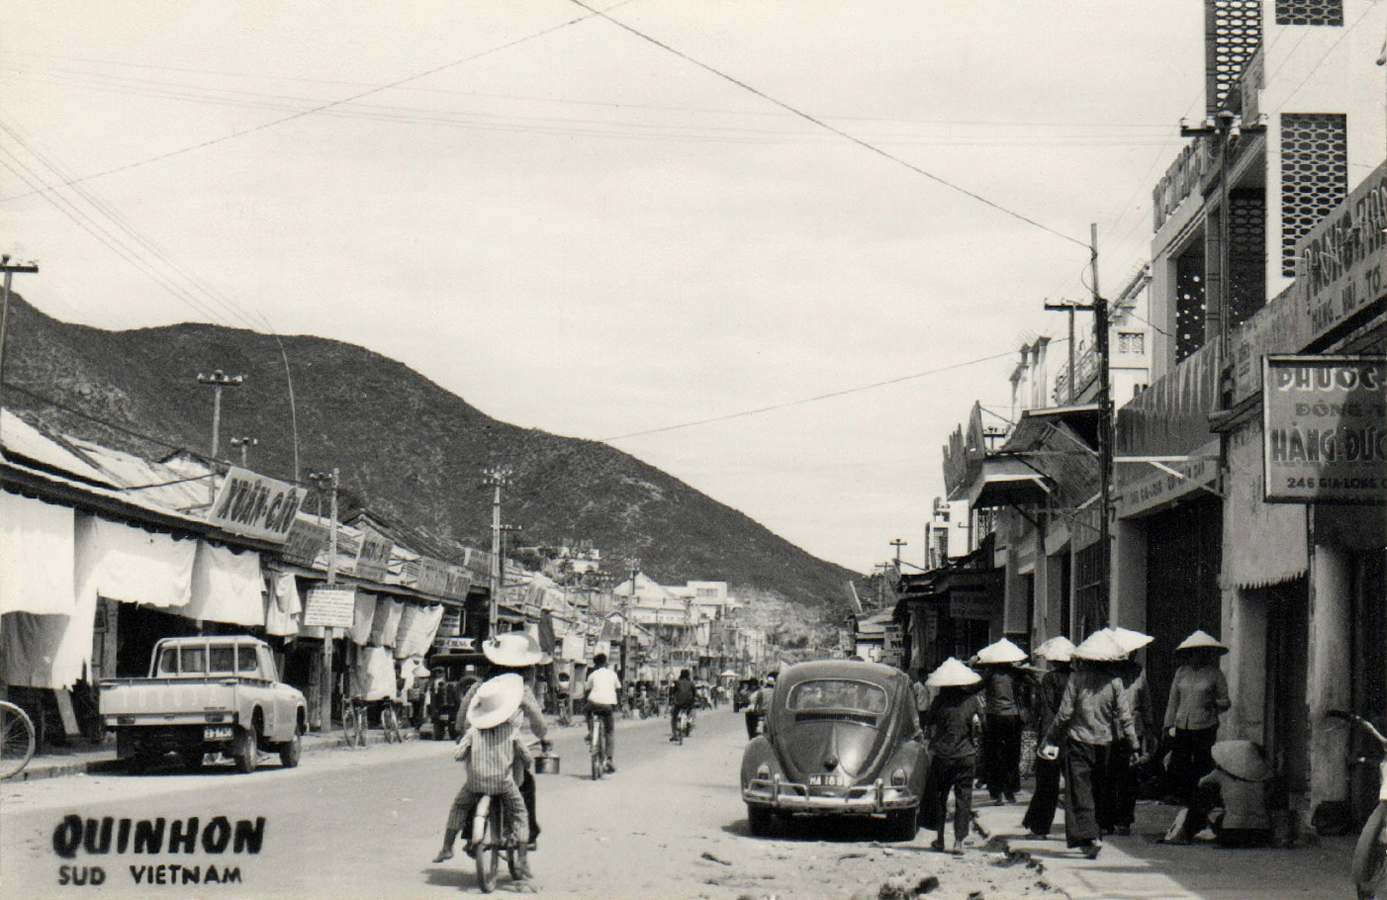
(760, 820)
(902, 825)
(289, 752)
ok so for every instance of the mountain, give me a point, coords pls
(407, 449)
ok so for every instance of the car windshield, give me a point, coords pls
(858, 696)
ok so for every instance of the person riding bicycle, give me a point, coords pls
(496, 757)
(519, 653)
(604, 695)
(681, 698)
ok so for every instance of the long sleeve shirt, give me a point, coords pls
(1092, 711)
(1001, 688)
(953, 726)
(1048, 698)
(491, 755)
(1197, 696)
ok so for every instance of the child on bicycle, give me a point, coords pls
(496, 759)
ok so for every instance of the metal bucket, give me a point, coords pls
(547, 764)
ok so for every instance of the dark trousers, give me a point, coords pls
(1190, 760)
(947, 775)
(1085, 774)
(1001, 749)
(1040, 815)
(753, 723)
(1120, 807)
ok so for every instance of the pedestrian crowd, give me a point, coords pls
(1095, 743)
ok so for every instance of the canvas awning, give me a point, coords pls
(1007, 481)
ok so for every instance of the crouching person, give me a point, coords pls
(496, 759)
(1231, 799)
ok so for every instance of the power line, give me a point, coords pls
(827, 127)
(815, 399)
(317, 109)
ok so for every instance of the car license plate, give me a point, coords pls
(216, 733)
(827, 781)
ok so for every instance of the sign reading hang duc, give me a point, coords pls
(1325, 427)
(253, 505)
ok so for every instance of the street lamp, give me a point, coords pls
(218, 380)
(243, 443)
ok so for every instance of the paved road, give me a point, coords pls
(367, 823)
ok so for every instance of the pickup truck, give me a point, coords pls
(212, 694)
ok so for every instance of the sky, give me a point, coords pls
(775, 248)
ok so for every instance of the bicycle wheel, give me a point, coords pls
(486, 838)
(598, 742)
(679, 728)
(390, 724)
(351, 726)
(17, 742)
(1370, 857)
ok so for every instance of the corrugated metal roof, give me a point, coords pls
(20, 439)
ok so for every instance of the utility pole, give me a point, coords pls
(898, 544)
(328, 479)
(496, 478)
(9, 269)
(243, 443)
(218, 380)
(1073, 378)
(633, 564)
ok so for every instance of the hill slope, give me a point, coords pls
(407, 448)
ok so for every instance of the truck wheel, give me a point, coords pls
(140, 762)
(192, 759)
(289, 752)
(245, 749)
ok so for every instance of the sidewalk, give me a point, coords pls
(1139, 868)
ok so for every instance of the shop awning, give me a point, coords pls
(1006, 481)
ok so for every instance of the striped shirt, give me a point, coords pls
(529, 710)
(490, 754)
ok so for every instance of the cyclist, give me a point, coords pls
(603, 690)
(760, 704)
(681, 697)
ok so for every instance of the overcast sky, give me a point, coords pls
(579, 229)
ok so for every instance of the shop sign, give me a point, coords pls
(971, 605)
(1158, 486)
(330, 607)
(432, 576)
(1324, 429)
(373, 558)
(251, 505)
(306, 540)
(457, 583)
(892, 645)
(451, 623)
(574, 647)
(454, 645)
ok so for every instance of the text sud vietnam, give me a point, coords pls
(161, 852)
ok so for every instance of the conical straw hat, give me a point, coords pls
(1056, 649)
(496, 701)
(952, 673)
(1003, 651)
(1100, 646)
(1241, 759)
(1201, 640)
(1131, 641)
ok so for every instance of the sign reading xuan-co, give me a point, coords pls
(1325, 426)
(255, 506)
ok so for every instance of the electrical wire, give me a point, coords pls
(824, 125)
(128, 432)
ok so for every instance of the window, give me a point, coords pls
(194, 661)
(1138, 388)
(246, 661)
(1131, 342)
(1309, 12)
(168, 662)
(223, 660)
(857, 696)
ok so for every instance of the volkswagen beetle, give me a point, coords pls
(842, 738)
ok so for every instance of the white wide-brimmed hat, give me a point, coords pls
(1202, 640)
(952, 673)
(1131, 641)
(513, 649)
(1056, 649)
(1100, 646)
(1241, 759)
(496, 701)
(1003, 651)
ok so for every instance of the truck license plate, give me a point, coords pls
(827, 781)
(216, 733)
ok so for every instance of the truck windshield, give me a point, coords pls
(246, 660)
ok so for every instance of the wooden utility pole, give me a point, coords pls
(324, 711)
(634, 565)
(898, 544)
(9, 269)
(1073, 378)
(496, 478)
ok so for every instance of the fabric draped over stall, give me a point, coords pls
(373, 676)
(386, 623)
(418, 624)
(126, 563)
(365, 617)
(227, 587)
(37, 550)
(1263, 543)
(284, 606)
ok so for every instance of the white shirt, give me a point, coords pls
(602, 687)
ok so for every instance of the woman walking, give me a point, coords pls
(1198, 696)
(1040, 815)
(1003, 686)
(951, 726)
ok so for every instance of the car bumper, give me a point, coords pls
(865, 799)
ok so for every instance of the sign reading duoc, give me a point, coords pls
(251, 505)
(1325, 426)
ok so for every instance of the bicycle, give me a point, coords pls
(1370, 854)
(566, 711)
(354, 722)
(489, 844)
(682, 725)
(17, 739)
(600, 754)
(390, 723)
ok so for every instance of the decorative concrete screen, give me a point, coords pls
(1309, 12)
(1233, 32)
(1314, 175)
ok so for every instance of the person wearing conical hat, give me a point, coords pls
(1040, 814)
(1092, 723)
(1198, 696)
(1005, 686)
(493, 751)
(952, 726)
(1232, 799)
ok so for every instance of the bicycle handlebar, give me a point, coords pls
(1361, 722)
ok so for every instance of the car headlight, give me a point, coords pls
(763, 771)
(899, 778)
